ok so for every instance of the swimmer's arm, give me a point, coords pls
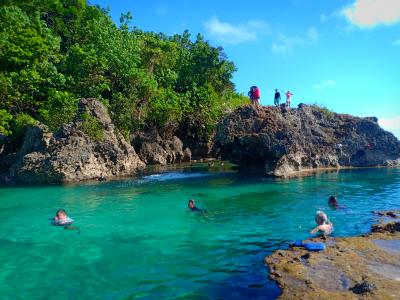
(316, 229)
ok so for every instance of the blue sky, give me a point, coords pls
(343, 54)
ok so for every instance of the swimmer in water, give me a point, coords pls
(61, 217)
(332, 202)
(325, 227)
(192, 206)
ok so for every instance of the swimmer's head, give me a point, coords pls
(191, 203)
(332, 201)
(61, 213)
(321, 218)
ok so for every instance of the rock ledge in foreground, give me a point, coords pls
(367, 266)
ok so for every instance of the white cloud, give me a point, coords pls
(284, 44)
(235, 34)
(396, 42)
(370, 13)
(325, 84)
(392, 124)
(312, 34)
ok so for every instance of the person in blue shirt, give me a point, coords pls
(277, 97)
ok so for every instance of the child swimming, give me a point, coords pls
(324, 225)
(61, 218)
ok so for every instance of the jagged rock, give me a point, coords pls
(153, 149)
(363, 287)
(284, 142)
(386, 227)
(71, 155)
(3, 139)
(187, 154)
(392, 163)
(393, 213)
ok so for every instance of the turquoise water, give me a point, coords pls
(136, 239)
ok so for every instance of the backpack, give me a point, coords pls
(256, 92)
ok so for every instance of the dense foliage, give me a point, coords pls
(53, 52)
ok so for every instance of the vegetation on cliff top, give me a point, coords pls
(54, 52)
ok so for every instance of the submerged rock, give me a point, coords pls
(284, 142)
(349, 267)
(384, 227)
(72, 154)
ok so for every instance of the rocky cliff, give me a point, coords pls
(283, 142)
(71, 154)
(153, 149)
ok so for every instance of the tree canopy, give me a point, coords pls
(53, 52)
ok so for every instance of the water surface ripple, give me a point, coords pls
(136, 238)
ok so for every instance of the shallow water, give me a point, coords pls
(136, 238)
(391, 246)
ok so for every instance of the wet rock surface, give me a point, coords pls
(71, 155)
(367, 266)
(285, 142)
(363, 287)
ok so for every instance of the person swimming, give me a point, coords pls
(325, 227)
(332, 202)
(192, 206)
(62, 218)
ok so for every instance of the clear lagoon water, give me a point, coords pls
(137, 240)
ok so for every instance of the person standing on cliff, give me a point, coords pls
(288, 98)
(251, 95)
(277, 97)
(256, 95)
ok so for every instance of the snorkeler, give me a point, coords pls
(325, 227)
(192, 206)
(61, 218)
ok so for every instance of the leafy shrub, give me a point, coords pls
(53, 54)
(5, 120)
(326, 112)
(61, 108)
(92, 127)
(21, 122)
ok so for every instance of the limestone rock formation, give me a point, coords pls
(285, 142)
(71, 154)
(153, 149)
